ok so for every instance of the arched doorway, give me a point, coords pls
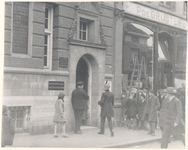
(82, 73)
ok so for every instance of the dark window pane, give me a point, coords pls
(45, 39)
(46, 13)
(46, 23)
(84, 25)
(45, 50)
(45, 61)
(84, 35)
(80, 34)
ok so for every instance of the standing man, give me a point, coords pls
(172, 125)
(107, 109)
(79, 103)
(150, 111)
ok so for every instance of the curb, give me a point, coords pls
(125, 145)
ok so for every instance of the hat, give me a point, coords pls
(80, 83)
(5, 109)
(106, 86)
(170, 90)
(61, 95)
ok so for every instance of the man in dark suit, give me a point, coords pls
(107, 109)
(79, 103)
(150, 111)
(173, 113)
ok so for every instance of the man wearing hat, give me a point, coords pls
(150, 111)
(172, 124)
(79, 103)
(107, 109)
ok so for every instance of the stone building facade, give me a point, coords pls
(49, 46)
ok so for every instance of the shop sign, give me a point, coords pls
(154, 15)
(55, 85)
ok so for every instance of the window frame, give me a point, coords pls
(82, 20)
(49, 32)
(30, 30)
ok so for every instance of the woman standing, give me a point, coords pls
(7, 128)
(59, 118)
(107, 109)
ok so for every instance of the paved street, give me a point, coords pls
(156, 145)
(89, 139)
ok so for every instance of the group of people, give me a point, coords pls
(142, 108)
(139, 108)
(79, 100)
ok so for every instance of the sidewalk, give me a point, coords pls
(89, 139)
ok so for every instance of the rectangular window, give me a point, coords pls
(20, 27)
(83, 30)
(21, 117)
(48, 36)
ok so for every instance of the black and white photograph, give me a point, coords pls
(94, 74)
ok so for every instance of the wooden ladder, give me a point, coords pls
(138, 71)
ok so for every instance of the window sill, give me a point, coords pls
(87, 44)
(20, 55)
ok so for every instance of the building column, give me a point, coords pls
(118, 32)
(155, 62)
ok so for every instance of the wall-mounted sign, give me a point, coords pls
(55, 85)
(154, 15)
(63, 62)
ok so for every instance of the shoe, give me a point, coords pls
(153, 134)
(65, 136)
(100, 132)
(112, 133)
(78, 132)
(55, 136)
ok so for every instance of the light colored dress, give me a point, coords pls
(59, 116)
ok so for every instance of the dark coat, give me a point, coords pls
(140, 107)
(79, 99)
(173, 115)
(152, 105)
(131, 107)
(7, 130)
(107, 104)
(162, 112)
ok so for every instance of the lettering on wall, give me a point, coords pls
(154, 15)
(55, 85)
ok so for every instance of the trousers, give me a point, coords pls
(103, 119)
(166, 133)
(78, 119)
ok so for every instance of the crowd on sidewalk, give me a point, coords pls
(141, 110)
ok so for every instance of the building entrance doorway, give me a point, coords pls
(82, 74)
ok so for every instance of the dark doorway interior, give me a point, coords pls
(82, 75)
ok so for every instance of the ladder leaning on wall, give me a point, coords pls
(139, 71)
